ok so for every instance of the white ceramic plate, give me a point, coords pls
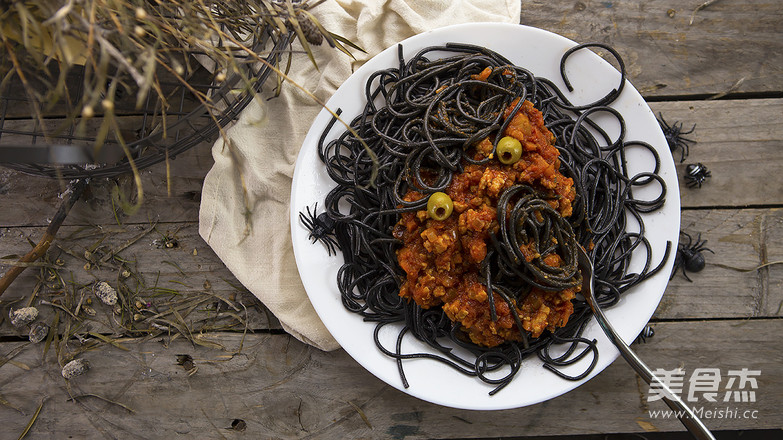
(540, 52)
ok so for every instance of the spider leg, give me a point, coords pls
(307, 222)
(332, 240)
(685, 274)
(685, 152)
(663, 122)
(330, 248)
(690, 239)
(689, 131)
(331, 244)
(684, 139)
(700, 247)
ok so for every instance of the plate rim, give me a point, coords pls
(607, 352)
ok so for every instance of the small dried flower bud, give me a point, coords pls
(23, 316)
(220, 77)
(207, 285)
(88, 111)
(88, 301)
(141, 14)
(105, 293)
(309, 29)
(137, 317)
(125, 273)
(75, 368)
(87, 255)
(179, 70)
(238, 425)
(38, 332)
(195, 252)
(107, 105)
(139, 31)
(87, 266)
(139, 304)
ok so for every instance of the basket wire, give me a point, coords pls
(63, 153)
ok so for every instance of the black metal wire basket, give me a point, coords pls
(159, 130)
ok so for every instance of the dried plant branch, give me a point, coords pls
(32, 419)
(76, 188)
(699, 8)
(137, 47)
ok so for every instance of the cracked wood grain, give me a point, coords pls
(168, 402)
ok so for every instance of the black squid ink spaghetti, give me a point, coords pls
(462, 191)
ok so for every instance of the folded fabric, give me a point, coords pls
(244, 204)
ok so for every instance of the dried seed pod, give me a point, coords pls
(310, 31)
(75, 368)
(238, 425)
(89, 310)
(187, 363)
(23, 316)
(105, 293)
(38, 332)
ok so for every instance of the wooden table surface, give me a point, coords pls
(720, 68)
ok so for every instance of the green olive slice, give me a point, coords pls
(439, 206)
(509, 150)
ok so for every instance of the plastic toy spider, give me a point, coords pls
(674, 137)
(321, 229)
(689, 256)
(646, 333)
(696, 174)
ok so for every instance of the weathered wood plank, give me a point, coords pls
(730, 286)
(729, 46)
(282, 388)
(30, 200)
(749, 178)
(741, 152)
(124, 100)
(157, 266)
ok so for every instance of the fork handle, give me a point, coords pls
(686, 415)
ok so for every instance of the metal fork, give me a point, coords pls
(686, 415)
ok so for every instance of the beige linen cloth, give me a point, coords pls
(255, 243)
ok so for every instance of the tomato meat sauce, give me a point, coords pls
(442, 258)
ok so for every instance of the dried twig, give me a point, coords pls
(76, 188)
(731, 89)
(361, 414)
(121, 405)
(699, 8)
(751, 269)
(32, 420)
